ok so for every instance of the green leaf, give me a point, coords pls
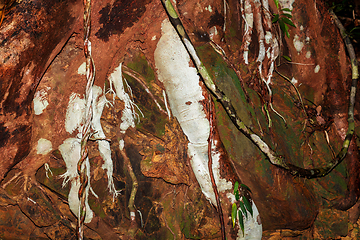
(243, 209)
(236, 187)
(241, 222)
(276, 17)
(246, 187)
(287, 58)
(286, 15)
(288, 21)
(276, 3)
(282, 25)
(286, 10)
(233, 214)
(237, 196)
(248, 205)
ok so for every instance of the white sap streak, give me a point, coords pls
(184, 93)
(99, 101)
(252, 226)
(221, 183)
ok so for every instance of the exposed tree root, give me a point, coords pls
(264, 148)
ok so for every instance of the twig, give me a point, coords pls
(141, 80)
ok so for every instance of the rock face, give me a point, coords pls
(146, 137)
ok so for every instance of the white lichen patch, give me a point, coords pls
(82, 69)
(75, 113)
(43, 147)
(308, 54)
(208, 8)
(298, 44)
(317, 68)
(40, 101)
(294, 81)
(286, 4)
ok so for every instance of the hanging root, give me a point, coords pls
(135, 184)
(225, 101)
(140, 80)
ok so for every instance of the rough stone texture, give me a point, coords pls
(33, 202)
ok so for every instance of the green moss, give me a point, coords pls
(150, 118)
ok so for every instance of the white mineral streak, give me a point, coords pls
(184, 94)
(252, 226)
(40, 101)
(221, 183)
(75, 113)
(182, 87)
(99, 101)
(44, 146)
(70, 151)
